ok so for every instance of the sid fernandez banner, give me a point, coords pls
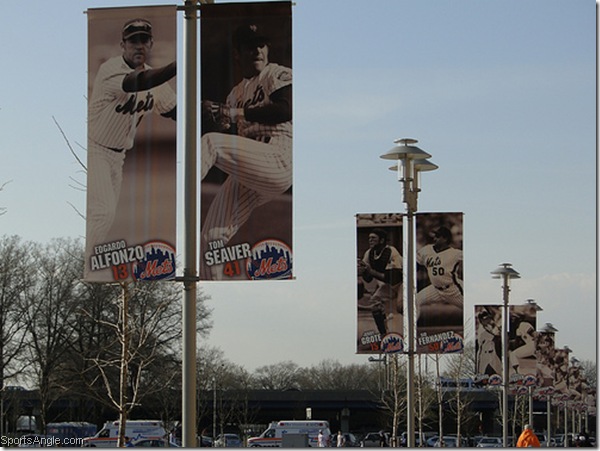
(380, 319)
(439, 299)
(246, 146)
(131, 163)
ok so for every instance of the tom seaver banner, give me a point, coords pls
(439, 299)
(131, 163)
(246, 146)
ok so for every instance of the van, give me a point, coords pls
(134, 429)
(272, 435)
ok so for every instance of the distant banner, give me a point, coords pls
(439, 300)
(522, 345)
(131, 162)
(546, 361)
(488, 344)
(380, 319)
(246, 167)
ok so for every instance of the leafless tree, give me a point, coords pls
(48, 303)
(3, 210)
(281, 376)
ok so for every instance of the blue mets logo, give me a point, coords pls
(495, 379)
(271, 259)
(158, 262)
(392, 343)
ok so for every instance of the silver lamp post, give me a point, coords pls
(537, 308)
(566, 410)
(505, 272)
(549, 329)
(411, 161)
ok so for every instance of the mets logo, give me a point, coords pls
(270, 259)
(158, 262)
(495, 379)
(392, 343)
(529, 380)
(452, 344)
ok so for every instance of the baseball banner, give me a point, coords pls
(546, 361)
(522, 345)
(246, 145)
(439, 296)
(131, 155)
(380, 319)
(488, 344)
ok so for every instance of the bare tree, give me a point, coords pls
(15, 267)
(332, 375)
(281, 376)
(48, 303)
(393, 398)
(3, 210)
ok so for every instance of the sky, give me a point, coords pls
(501, 93)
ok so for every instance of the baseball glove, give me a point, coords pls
(215, 117)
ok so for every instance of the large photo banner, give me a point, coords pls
(246, 146)
(131, 155)
(380, 319)
(439, 299)
(522, 345)
(488, 344)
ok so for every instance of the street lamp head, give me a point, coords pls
(505, 271)
(532, 303)
(549, 328)
(403, 150)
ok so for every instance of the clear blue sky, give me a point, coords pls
(501, 93)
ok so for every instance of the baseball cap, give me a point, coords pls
(137, 26)
(249, 34)
(444, 232)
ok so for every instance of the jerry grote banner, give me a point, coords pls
(439, 299)
(380, 318)
(246, 145)
(131, 162)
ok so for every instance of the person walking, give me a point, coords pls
(528, 439)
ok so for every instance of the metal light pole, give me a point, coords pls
(566, 410)
(190, 274)
(549, 329)
(411, 161)
(505, 272)
(537, 308)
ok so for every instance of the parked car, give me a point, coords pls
(154, 443)
(449, 441)
(228, 441)
(489, 442)
(373, 440)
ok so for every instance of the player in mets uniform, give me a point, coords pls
(381, 271)
(444, 296)
(125, 89)
(255, 146)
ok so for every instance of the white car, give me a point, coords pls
(489, 442)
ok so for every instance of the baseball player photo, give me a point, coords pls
(246, 145)
(379, 280)
(439, 300)
(131, 155)
(488, 341)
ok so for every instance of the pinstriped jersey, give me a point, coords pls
(114, 114)
(255, 91)
(441, 266)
